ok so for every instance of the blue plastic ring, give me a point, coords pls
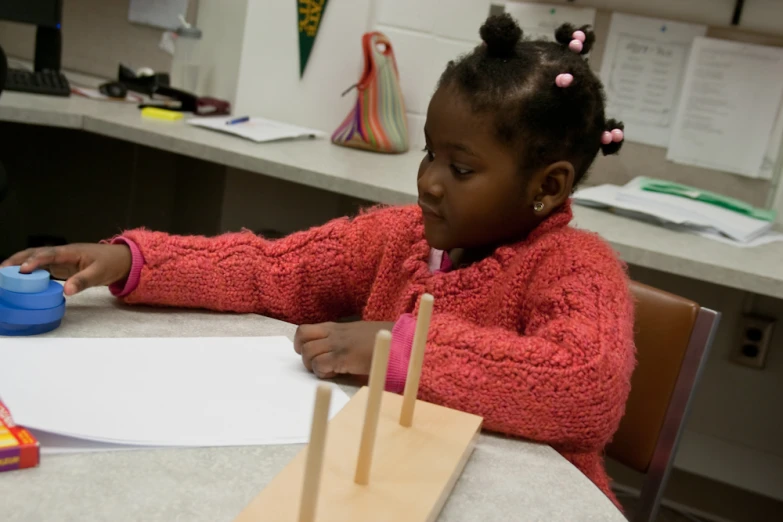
(13, 330)
(18, 316)
(49, 298)
(13, 281)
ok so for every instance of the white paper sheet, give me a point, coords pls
(729, 103)
(161, 391)
(539, 21)
(642, 70)
(259, 130)
(157, 13)
(53, 444)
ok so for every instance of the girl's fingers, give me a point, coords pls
(18, 258)
(325, 366)
(309, 332)
(43, 257)
(313, 349)
(83, 280)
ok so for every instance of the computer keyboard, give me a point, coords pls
(51, 83)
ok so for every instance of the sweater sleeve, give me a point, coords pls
(125, 287)
(562, 380)
(318, 275)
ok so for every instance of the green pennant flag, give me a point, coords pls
(310, 15)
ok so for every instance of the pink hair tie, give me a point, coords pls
(616, 135)
(577, 44)
(564, 80)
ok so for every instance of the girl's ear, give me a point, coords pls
(553, 187)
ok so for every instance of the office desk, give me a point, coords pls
(391, 179)
(504, 480)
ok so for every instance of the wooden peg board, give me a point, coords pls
(413, 472)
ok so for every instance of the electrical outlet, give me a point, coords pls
(753, 340)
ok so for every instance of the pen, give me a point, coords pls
(243, 119)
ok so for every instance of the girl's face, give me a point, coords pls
(471, 190)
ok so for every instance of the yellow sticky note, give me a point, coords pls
(161, 114)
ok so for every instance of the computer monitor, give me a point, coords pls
(46, 15)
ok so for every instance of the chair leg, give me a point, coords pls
(651, 495)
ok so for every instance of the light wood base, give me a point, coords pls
(413, 471)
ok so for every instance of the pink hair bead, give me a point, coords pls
(579, 35)
(564, 80)
(606, 138)
(576, 46)
(617, 135)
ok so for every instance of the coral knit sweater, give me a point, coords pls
(537, 338)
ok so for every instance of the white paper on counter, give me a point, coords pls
(539, 21)
(260, 130)
(161, 391)
(642, 70)
(730, 100)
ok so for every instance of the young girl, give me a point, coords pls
(532, 327)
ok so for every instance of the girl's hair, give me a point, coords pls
(518, 81)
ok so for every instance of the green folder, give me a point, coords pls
(676, 189)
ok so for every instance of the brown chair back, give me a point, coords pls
(673, 336)
(662, 331)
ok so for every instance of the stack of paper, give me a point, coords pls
(109, 393)
(672, 211)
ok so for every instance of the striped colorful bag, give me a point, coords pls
(377, 121)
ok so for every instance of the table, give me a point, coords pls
(390, 179)
(504, 480)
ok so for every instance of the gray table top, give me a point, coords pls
(504, 480)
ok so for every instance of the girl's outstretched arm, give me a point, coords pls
(317, 275)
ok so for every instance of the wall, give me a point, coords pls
(269, 83)
(222, 24)
(96, 38)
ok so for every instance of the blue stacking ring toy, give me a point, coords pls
(20, 316)
(14, 281)
(30, 304)
(49, 298)
(15, 330)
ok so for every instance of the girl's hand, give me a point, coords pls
(82, 265)
(331, 349)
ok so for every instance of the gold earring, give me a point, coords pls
(538, 206)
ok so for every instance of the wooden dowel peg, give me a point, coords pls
(416, 361)
(380, 362)
(315, 454)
